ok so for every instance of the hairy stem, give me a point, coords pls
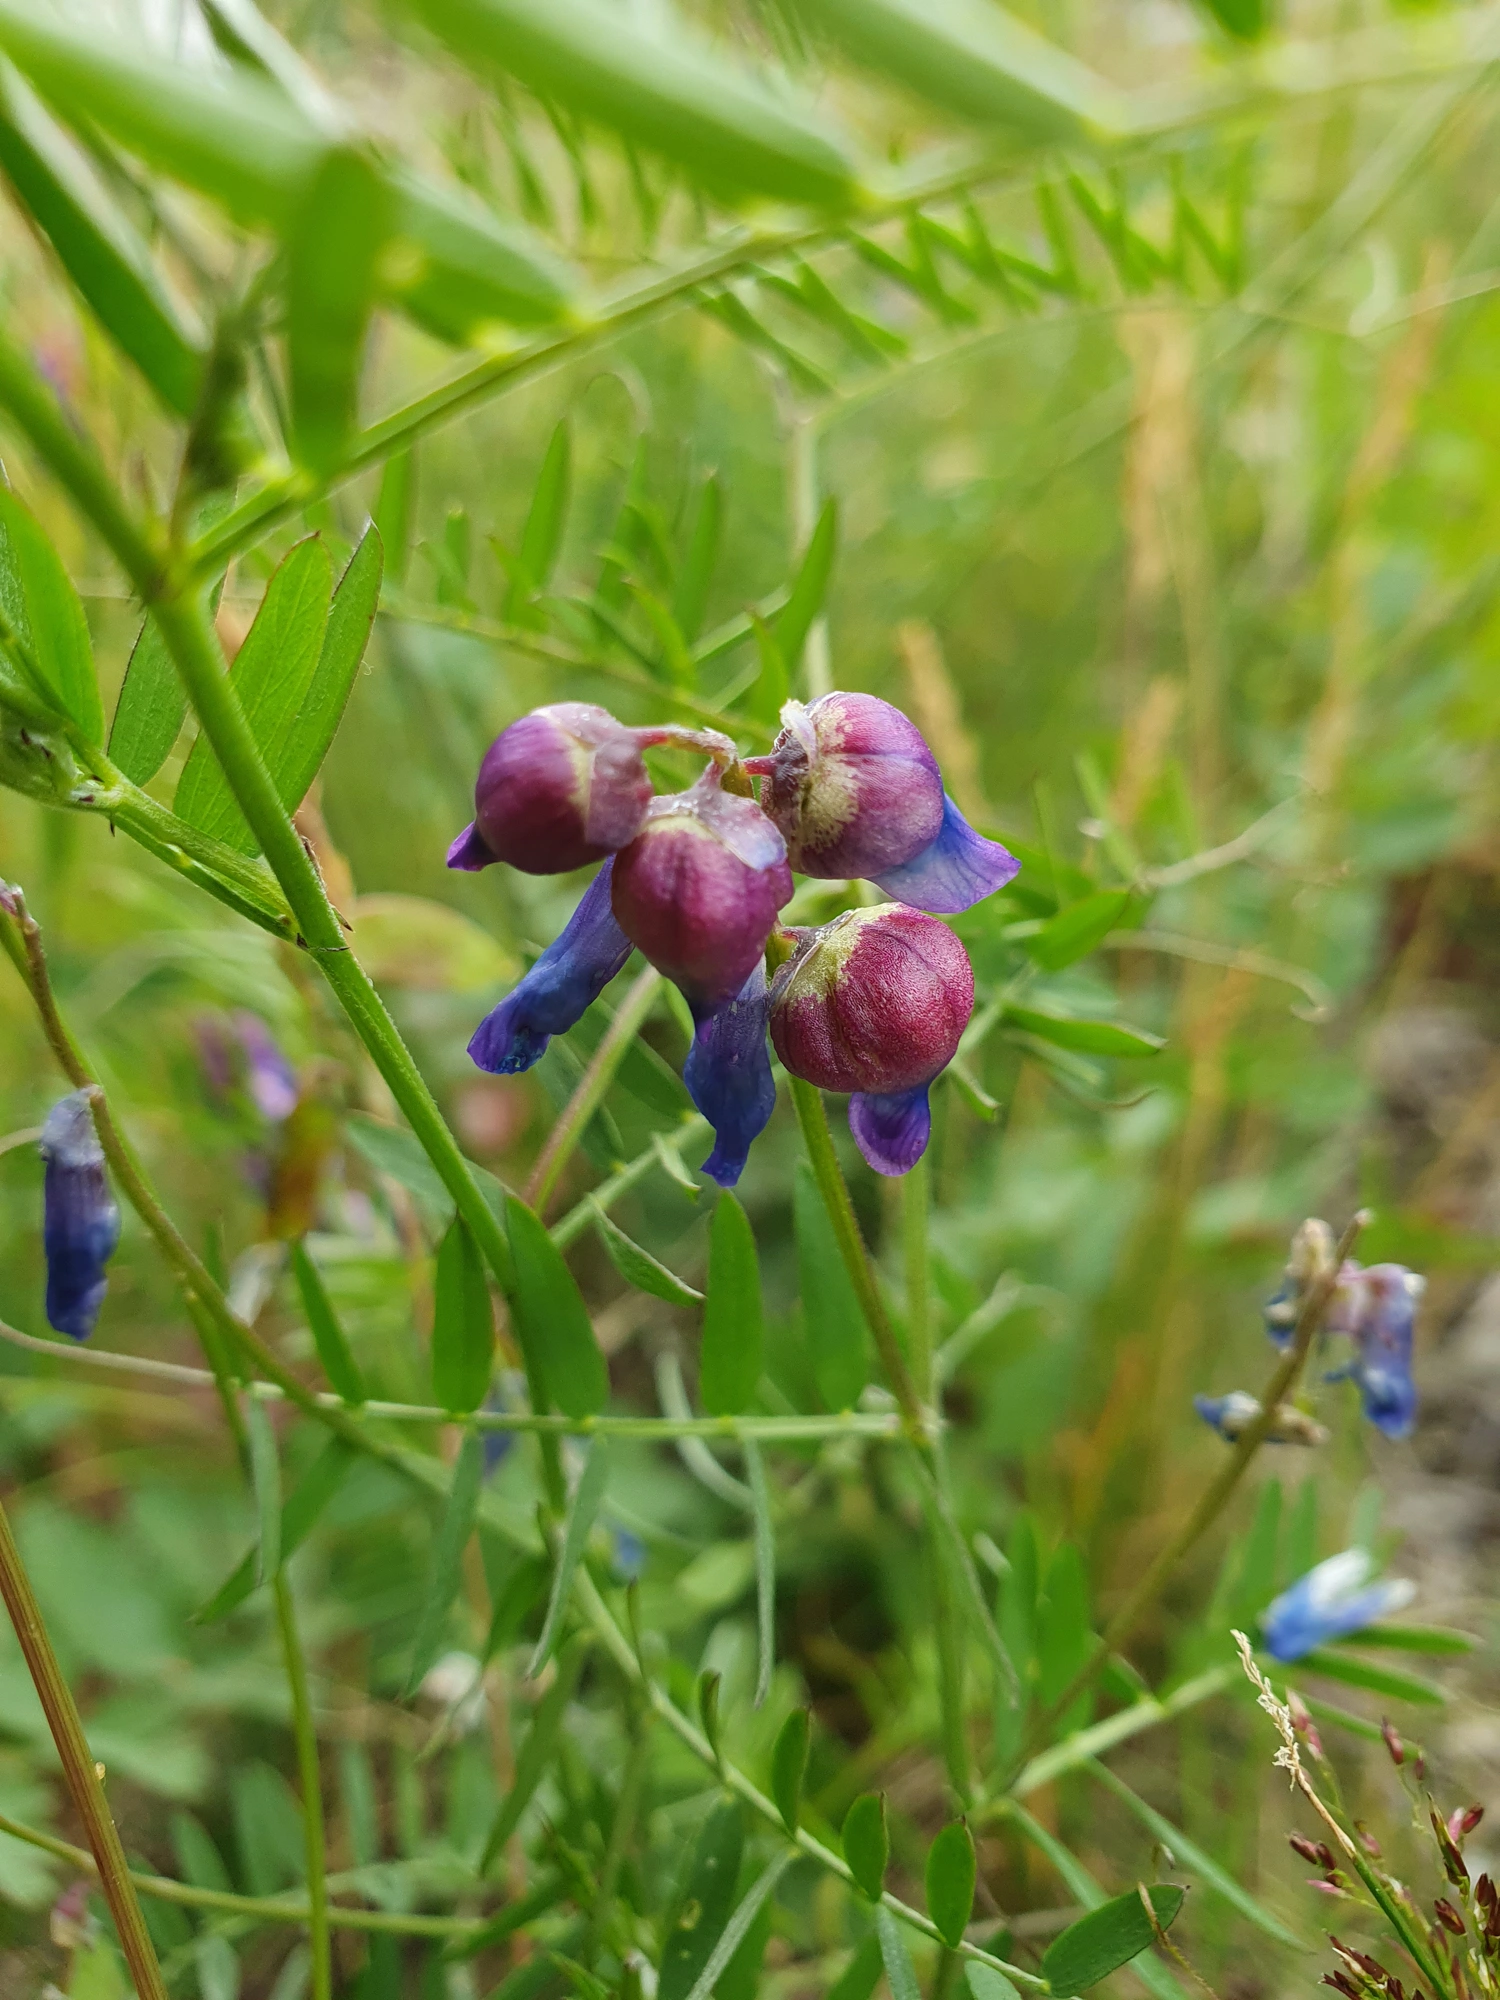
(310, 1778)
(83, 1776)
(591, 1088)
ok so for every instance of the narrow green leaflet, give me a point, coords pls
(738, 1928)
(867, 1843)
(729, 1366)
(1091, 1038)
(552, 1319)
(305, 1503)
(338, 1361)
(694, 578)
(1442, 1639)
(837, 1339)
(951, 1873)
(1064, 1633)
(1108, 1938)
(473, 268)
(666, 93)
(765, 1569)
(47, 635)
(463, 1326)
(1387, 1681)
(1081, 1885)
(445, 1570)
(395, 510)
(150, 711)
(541, 538)
(638, 1267)
(809, 588)
(265, 1477)
(271, 675)
(535, 1754)
(583, 1510)
(900, 1973)
(860, 1976)
(332, 254)
(97, 246)
(397, 1153)
(707, 1899)
(763, 699)
(1189, 1856)
(985, 1983)
(789, 1766)
(1077, 930)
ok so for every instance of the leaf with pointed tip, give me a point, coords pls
(339, 1364)
(265, 1477)
(809, 592)
(867, 1844)
(48, 634)
(350, 617)
(951, 1871)
(729, 1366)
(541, 538)
(1079, 929)
(151, 709)
(305, 1503)
(789, 1766)
(445, 1571)
(639, 1268)
(690, 598)
(583, 1511)
(463, 1325)
(1387, 1681)
(1090, 1038)
(1109, 1937)
(552, 1320)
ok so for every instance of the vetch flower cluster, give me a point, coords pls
(871, 1004)
(1374, 1306)
(80, 1222)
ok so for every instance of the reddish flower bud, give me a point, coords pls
(1453, 1862)
(1311, 1850)
(1462, 1822)
(562, 787)
(875, 1001)
(1393, 1742)
(1303, 1723)
(1448, 1917)
(852, 785)
(699, 887)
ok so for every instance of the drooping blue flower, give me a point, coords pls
(1383, 1338)
(80, 1222)
(1231, 1415)
(565, 981)
(1330, 1602)
(956, 870)
(728, 1077)
(891, 1128)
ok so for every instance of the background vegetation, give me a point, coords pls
(1141, 441)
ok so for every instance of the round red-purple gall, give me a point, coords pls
(561, 787)
(698, 889)
(874, 1002)
(852, 785)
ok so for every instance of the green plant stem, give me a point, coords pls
(916, 1195)
(1220, 1490)
(242, 885)
(817, 1138)
(305, 1732)
(592, 1086)
(259, 1909)
(83, 1777)
(581, 1215)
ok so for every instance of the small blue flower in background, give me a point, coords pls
(627, 1554)
(1230, 1416)
(559, 989)
(269, 1077)
(1383, 1337)
(80, 1222)
(1331, 1601)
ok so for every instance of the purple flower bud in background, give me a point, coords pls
(699, 887)
(728, 1077)
(874, 1004)
(1383, 1337)
(565, 981)
(560, 788)
(856, 791)
(269, 1077)
(1329, 1602)
(80, 1222)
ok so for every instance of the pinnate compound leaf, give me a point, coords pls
(638, 1267)
(332, 254)
(1079, 929)
(667, 94)
(446, 1568)
(334, 1352)
(552, 1319)
(789, 1766)
(733, 1320)
(707, 1899)
(867, 1843)
(272, 674)
(1108, 1938)
(951, 1869)
(463, 1326)
(47, 633)
(97, 246)
(1090, 1038)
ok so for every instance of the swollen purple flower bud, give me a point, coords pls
(565, 981)
(80, 1222)
(856, 791)
(874, 1004)
(562, 787)
(699, 887)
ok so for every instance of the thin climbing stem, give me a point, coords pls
(309, 1776)
(592, 1087)
(84, 1777)
(916, 1198)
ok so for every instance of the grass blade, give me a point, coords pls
(454, 1529)
(582, 1513)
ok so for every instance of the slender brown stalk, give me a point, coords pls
(83, 1775)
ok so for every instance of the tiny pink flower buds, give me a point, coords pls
(698, 889)
(563, 786)
(852, 785)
